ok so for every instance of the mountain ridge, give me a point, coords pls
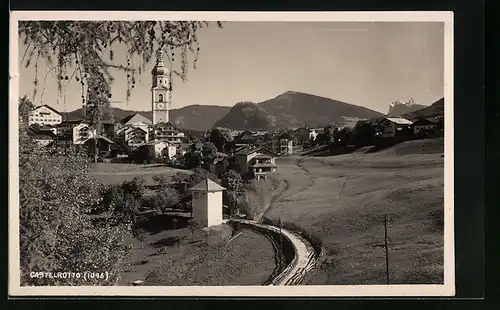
(293, 109)
(192, 117)
(436, 109)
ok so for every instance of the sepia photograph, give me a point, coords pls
(231, 154)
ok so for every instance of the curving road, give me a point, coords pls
(303, 262)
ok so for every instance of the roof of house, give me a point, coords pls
(45, 134)
(157, 142)
(135, 118)
(168, 124)
(263, 165)
(71, 121)
(208, 185)
(47, 127)
(399, 120)
(249, 150)
(424, 121)
(99, 137)
(263, 156)
(50, 108)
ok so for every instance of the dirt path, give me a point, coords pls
(284, 194)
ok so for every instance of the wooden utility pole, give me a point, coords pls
(386, 250)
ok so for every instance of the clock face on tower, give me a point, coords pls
(160, 106)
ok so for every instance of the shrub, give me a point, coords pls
(57, 231)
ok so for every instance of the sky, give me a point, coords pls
(367, 64)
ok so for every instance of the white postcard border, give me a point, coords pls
(447, 289)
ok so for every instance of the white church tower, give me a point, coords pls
(160, 91)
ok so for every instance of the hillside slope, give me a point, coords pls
(292, 110)
(296, 108)
(434, 110)
(247, 116)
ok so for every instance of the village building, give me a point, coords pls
(304, 135)
(256, 162)
(81, 133)
(103, 145)
(392, 126)
(65, 128)
(132, 135)
(108, 129)
(281, 144)
(44, 115)
(206, 203)
(244, 138)
(167, 132)
(135, 120)
(41, 137)
(183, 148)
(423, 127)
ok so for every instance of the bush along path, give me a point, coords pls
(304, 255)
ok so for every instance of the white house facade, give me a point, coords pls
(44, 115)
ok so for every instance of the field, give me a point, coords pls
(247, 259)
(343, 200)
(110, 173)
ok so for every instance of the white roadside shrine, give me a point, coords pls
(207, 203)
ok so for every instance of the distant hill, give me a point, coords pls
(247, 116)
(292, 109)
(398, 109)
(192, 117)
(434, 110)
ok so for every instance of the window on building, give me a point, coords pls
(160, 97)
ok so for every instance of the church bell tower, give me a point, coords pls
(160, 91)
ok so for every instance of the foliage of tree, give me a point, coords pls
(364, 133)
(248, 205)
(25, 107)
(200, 174)
(192, 160)
(221, 138)
(57, 230)
(124, 200)
(82, 52)
(144, 154)
(342, 136)
(235, 190)
(209, 150)
(165, 198)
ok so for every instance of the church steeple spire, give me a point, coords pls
(160, 90)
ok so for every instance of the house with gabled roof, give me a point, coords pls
(392, 126)
(44, 115)
(133, 136)
(168, 132)
(423, 126)
(256, 162)
(280, 143)
(135, 119)
(41, 137)
(244, 138)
